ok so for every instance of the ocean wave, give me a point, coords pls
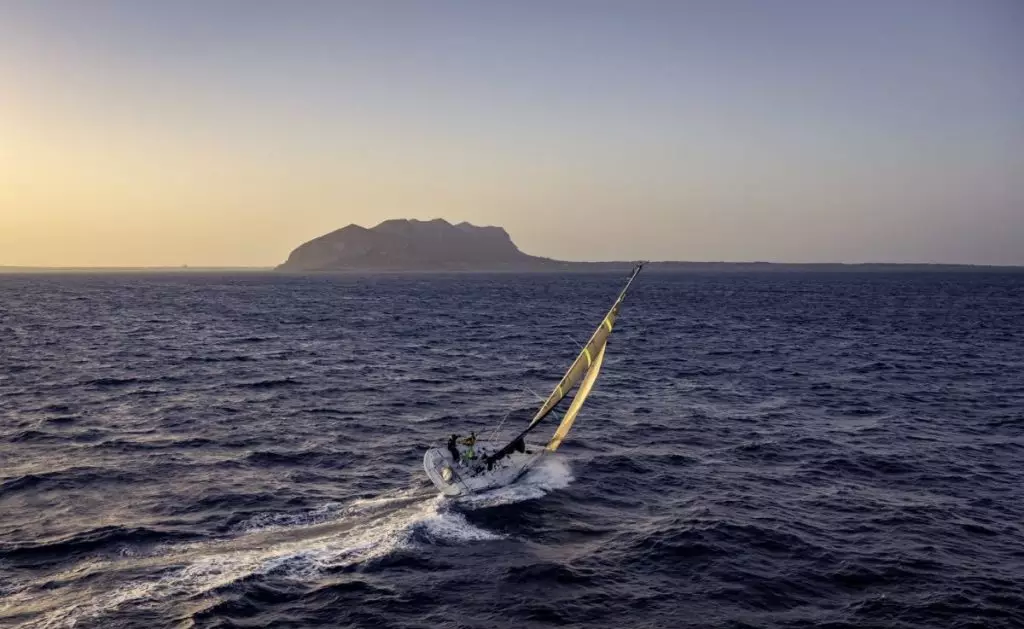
(34, 436)
(114, 382)
(272, 383)
(165, 443)
(60, 549)
(219, 359)
(68, 478)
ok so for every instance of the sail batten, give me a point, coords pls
(577, 402)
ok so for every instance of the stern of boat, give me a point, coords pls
(441, 471)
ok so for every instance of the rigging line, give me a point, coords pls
(535, 394)
(495, 430)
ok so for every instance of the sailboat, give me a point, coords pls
(461, 468)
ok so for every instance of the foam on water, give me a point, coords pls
(297, 546)
(550, 473)
(333, 511)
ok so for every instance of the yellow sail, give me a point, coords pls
(577, 402)
(585, 368)
(585, 359)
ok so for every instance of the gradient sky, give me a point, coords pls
(219, 132)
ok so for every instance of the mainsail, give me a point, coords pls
(587, 365)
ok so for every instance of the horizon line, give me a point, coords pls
(244, 268)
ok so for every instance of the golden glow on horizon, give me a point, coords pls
(162, 187)
(141, 136)
(135, 193)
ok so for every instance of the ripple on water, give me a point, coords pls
(766, 450)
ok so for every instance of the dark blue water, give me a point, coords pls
(774, 450)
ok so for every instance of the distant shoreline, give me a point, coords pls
(562, 267)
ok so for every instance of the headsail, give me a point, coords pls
(587, 364)
(577, 402)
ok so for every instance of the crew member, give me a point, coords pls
(469, 442)
(454, 451)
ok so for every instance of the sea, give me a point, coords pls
(762, 450)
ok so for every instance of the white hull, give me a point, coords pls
(462, 480)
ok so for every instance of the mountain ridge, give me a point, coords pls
(413, 245)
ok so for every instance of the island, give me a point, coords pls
(412, 245)
(409, 245)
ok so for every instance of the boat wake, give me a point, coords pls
(301, 547)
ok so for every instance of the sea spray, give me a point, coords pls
(549, 474)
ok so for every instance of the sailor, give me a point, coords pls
(469, 442)
(454, 451)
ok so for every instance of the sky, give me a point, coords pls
(227, 132)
